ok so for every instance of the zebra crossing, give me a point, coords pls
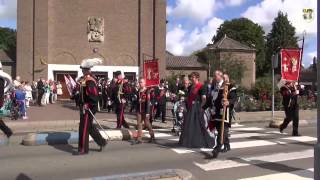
(245, 137)
(241, 137)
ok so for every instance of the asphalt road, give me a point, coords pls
(258, 153)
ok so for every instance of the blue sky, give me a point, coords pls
(190, 29)
(192, 23)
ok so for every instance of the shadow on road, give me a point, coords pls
(282, 168)
(22, 176)
(60, 141)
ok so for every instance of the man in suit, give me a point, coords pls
(41, 91)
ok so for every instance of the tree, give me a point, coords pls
(8, 41)
(248, 33)
(282, 35)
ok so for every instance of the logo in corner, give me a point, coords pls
(308, 14)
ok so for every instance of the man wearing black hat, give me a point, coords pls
(161, 101)
(119, 100)
(88, 107)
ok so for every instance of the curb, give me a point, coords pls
(68, 137)
(159, 174)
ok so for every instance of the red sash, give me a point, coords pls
(193, 94)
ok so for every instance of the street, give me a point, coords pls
(257, 152)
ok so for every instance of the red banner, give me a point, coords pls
(290, 64)
(151, 72)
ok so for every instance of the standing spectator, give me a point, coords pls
(47, 93)
(176, 86)
(20, 96)
(41, 91)
(54, 92)
(59, 89)
(16, 82)
(28, 90)
(34, 92)
(161, 92)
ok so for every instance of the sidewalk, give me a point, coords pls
(63, 116)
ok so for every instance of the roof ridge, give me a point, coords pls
(241, 44)
(220, 41)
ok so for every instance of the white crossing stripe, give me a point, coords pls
(251, 144)
(247, 129)
(248, 135)
(236, 125)
(294, 175)
(237, 136)
(271, 158)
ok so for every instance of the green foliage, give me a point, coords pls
(248, 33)
(172, 77)
(8, 41)
(263, 86)
(282, 35)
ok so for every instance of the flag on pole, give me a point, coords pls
(290, 64)
(68, 84)
(151, 72)
(72, 82)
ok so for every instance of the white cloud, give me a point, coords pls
(265, 12)
(8, 9)
(195, 10)
(182, 42)
(234, 2)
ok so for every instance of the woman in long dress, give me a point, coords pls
(194, 130)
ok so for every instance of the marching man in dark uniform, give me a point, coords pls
(89, 98)
(120, 100)
(5, 83)
(291, 108)
(220, 101)
(143, 111)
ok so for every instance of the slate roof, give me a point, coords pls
(182, 61)
(230, 44)
(4, 56)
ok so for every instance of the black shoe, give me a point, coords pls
(152, 140)
(296, 134)
(102, 147)
(281, 128)
(215, 153)
(79, 153)
(226, 148)
(126, 126)
(164, 121)
(9, 134)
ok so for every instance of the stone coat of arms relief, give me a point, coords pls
(95, 29)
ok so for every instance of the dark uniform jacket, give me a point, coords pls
(161, 95)
(290, 98)
(215, 101)
(89, 91)
(119, 92)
